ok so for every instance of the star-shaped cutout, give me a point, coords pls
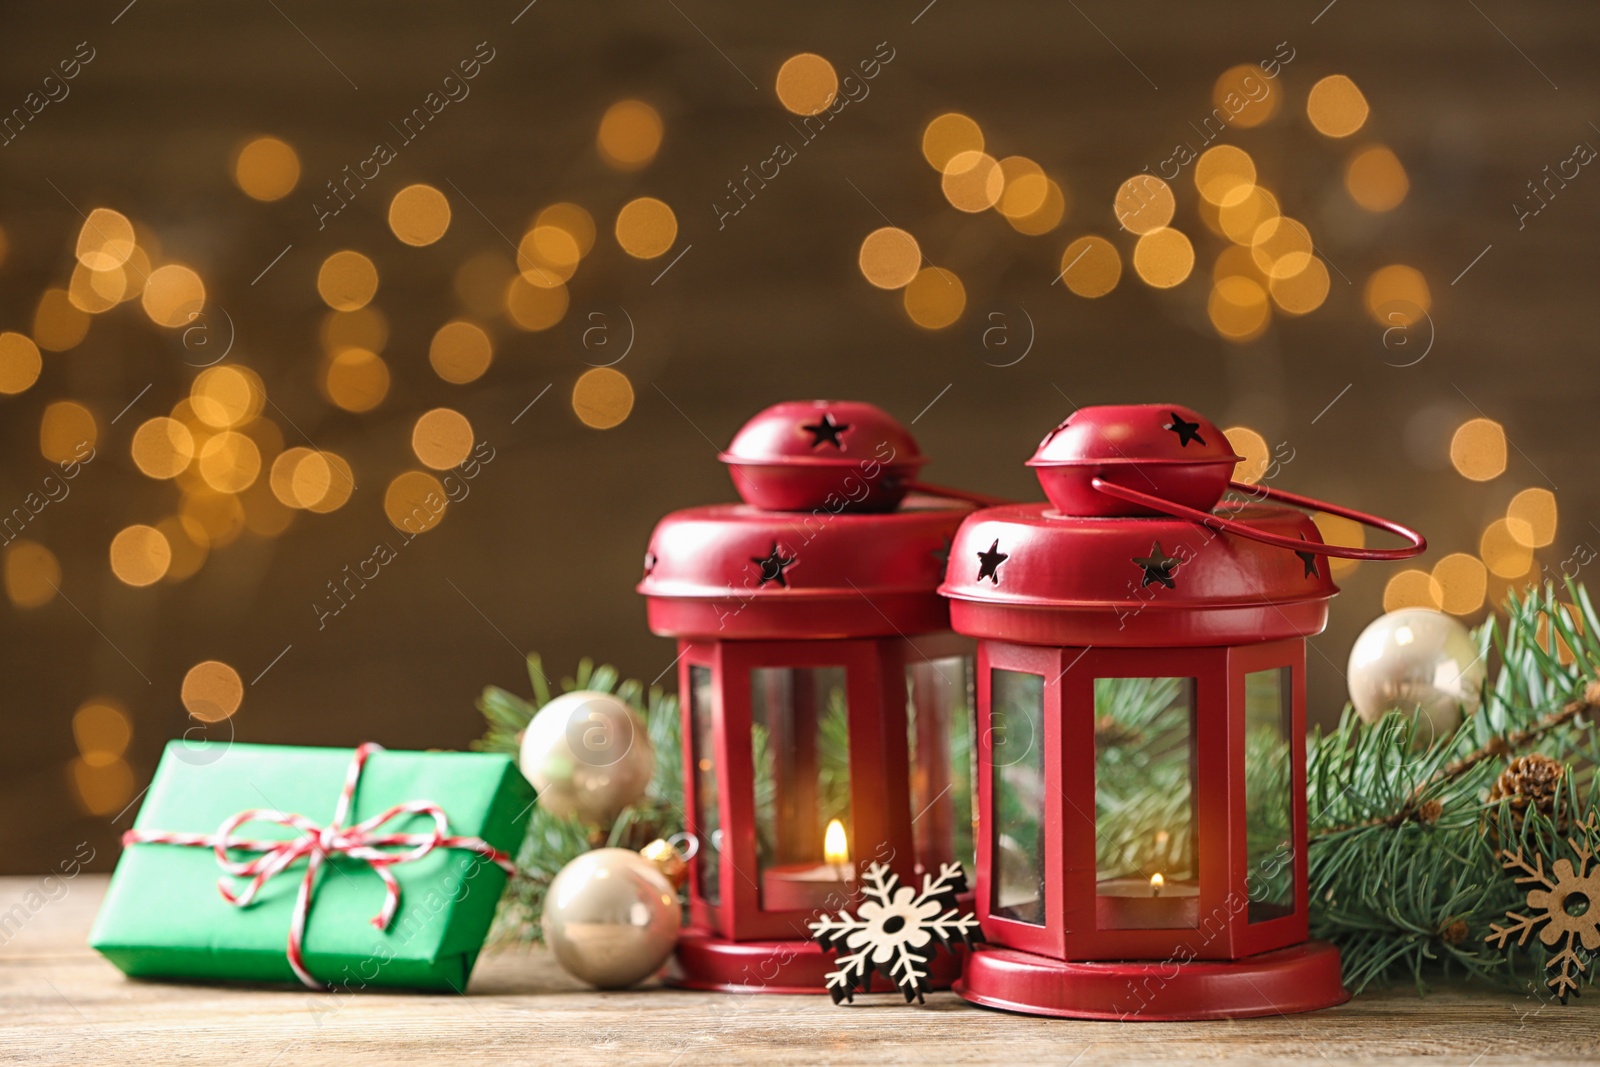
(826, 432)
(1158, 567)
(1186, 431)
(942, 553)
(772, 566)
(989, 563)
(1309, 559)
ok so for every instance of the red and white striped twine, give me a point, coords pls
(316, 844)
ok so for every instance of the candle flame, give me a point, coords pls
(1156, 883)
(835, 847)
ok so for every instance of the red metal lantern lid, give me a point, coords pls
(1030, 574)
(736, 571)
(842, 455)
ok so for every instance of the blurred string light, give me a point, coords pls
(212, 691)
(1375, 179)
(807, 83)
(66, 427)
(415, 502)
(1337, 530)
(1412, 588)
(935, 298)
(173, 295)
(366, 328)
(419, 215)
(1144, 204)
(1090, 266)
(1531, 517)
(646, 227)
(1478, 449)
(1462, 582)
(355, 379)
(1502, 552)
(58, 325)
(1396, 295)
(602, 398)
(32, 574)
(101, 779)
(266, 169)
(973, 181)
(534, 307)
(630, 134)
(460, 352)
(1237, 84)
(1254, 455)
(140, 555)
(889, 258)
(1336, 107)
(1163, 257)
(441, 438)
(573, 219)
(347, 281)
(20, 362)
(947, 137)
(311, 479)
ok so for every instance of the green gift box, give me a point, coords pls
(164, 916)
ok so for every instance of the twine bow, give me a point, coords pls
(316, 844)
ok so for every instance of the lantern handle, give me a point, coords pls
(1243, 529)
(963, 495)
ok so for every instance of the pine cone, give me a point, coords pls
(1529, 780)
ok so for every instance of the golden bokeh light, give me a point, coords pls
(229, 462)
(140, 555)
(1237, 308)
(1412, 588)
(1224, 175)
(135, 272)
(264, 515)
(1243, 215)
(1375, 179)
(889, 258)
(415, 502)
(460, 352)
(1282, 247)
(1246, 94)
(1397, 295)
(102, 730)
(947, 137)
(1163, 258)
(935, 298)
(189, 542)
(1462, 583)
(1024, 187)
(1047, 216)
(630, 134)
(104, 788)
(57, 324)
(32, 574)
(355, 379)
(973, 182)
(548, 256)
(1478, 449)
(212, 691)
(365, 328)
(480, 283)
(441, 438)
(105, 240)
(226, 396)
(646, 227)
(173, 295)
(219, 515)
(162, 447)
(266, 169)
(807, 83)
(418, 215)
(1338, 530)
(534, 307)
(306, 478)
(578, 223)
(67, 431)
(96, 291)
(1254, 455)
(20, 362)
(1531, 517)
(1302, 293)
(1336, 107)
(1237, 260)
(1502, 553)
(1144, 204)
(602, 398)
(1090, 266)
(347, 280)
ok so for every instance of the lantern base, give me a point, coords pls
(707, 962)
(1300, 978)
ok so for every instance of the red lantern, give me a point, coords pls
(1141, 695)
(826, 706)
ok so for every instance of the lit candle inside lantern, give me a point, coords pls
(828, 885)
(1156, 882)
(1147, 904)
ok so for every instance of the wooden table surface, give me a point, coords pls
(60, 1003)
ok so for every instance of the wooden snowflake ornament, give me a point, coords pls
(1566, 901)
(897, 932)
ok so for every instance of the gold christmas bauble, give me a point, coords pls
(1417, 658)
(588, 755)
(611, 918)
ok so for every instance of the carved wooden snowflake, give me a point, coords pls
(897, 932)
(1567, 902)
